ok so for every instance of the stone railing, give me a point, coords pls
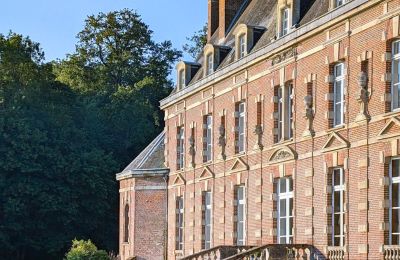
(269, 252)
(335, 253)
(217, 253)
(391, 252)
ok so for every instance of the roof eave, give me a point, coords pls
(142, 173)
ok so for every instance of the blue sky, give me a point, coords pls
(55, 23)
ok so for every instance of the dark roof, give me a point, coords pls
(260, 13)
(149, 162)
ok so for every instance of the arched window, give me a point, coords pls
(126, 224)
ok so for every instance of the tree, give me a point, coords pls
(123, 74)
(196, 43)
(85, 250)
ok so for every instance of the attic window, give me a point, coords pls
(181, 80)
(284, 21)
(210, 64)
(242, 46)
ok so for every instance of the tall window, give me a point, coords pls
(284, 21)
(210, 64)
(207, 220)
(240, 127)
(240, 217)
(242, 46)
(338, 199)
(179, 223)
(396, 76)
(285, 112)
(126, 223)
(338, 92)
(394, 197)
(285, 210)
(181, 148)
(181, 79)
(207, 137)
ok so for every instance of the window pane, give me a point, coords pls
(282, 208)
(290, 207)
(336, 241)
(290, 180)
(240, 213)
(396, 47)
(282, 226)
(336, 201)
(395, 168)
(282, 240)
(282, 185)
(336, 226)
(339, 70)
(291, 226)
(338, 92)
(240, 231)
(395, 221)
(395, 195)
(336, 177)
(240, 194)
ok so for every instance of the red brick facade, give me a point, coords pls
(146, 198)
(360, 38)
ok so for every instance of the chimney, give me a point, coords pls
(213, 17)
(227, 11)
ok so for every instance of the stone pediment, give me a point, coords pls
(334, 142)
(282, 154)
(239, 165)
(391, 129)
(206, 173)
(179, 180)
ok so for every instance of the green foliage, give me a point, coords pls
(66, 128)
(196, 43)
(85, 250)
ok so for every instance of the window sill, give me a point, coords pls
(241, 154)
(284, 142)
(208, 163)
(336, 128)
(394, 112)
(178, 252)
(125, 243)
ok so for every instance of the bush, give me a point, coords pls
(85, 250)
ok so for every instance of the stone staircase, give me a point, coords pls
(266, 252)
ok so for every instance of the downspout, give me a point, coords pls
(165, 178)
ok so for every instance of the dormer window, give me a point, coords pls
(185, 73)
(284, 21)
(242, 46)
(210, 64)
(181, 80)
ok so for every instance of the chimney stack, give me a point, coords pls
(227, 11)
(213, 17)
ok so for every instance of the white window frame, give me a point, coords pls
(210, 63)
(207, 222)
(396, 76)
(341, 190)
(181, 148)
(393, 180)
(242, 45)
(280, 114)
(208, 138)
(180, 222)
(286, 196)
(289, 109)
(240, 241)
(339, 67)
(242, 127)
(285, 21)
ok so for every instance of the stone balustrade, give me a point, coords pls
(391, 252)
(270, 252)
(335, 253)
(217, 253)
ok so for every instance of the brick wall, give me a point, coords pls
(357, 146)
(147, 200)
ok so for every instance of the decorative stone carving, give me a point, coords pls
(222, 141)
(283, 56)
(309, 116)
(258, 130)
(192, 150)
(282, 154)
(363, 97)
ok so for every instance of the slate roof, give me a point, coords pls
(260, 13)
(149, 162)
